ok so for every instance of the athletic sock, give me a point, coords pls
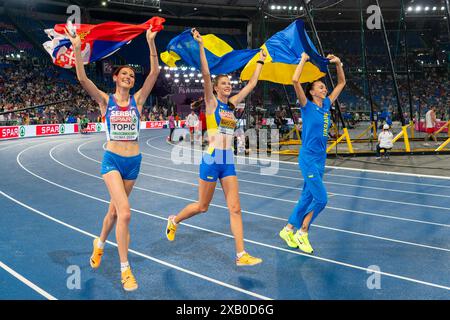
(124, 266)
(100, 244)
(240, 254)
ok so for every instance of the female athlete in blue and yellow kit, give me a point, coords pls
(218, 162)
(315, 108)
(122, 158)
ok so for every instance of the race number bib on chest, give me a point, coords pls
(227, 122)
(124, 125)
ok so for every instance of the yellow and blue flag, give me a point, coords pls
(220, 55)
(284, 50)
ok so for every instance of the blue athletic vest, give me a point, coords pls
(122, 123)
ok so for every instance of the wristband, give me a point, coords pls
(260, 62)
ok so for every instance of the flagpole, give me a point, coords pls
(313, 27)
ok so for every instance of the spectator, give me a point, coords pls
(171, 126)
(384, 142)
(430, 125)
(191, 122)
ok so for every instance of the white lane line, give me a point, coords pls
(195, 274)
(331, 183)
(335, 167)
(251, 241)
(249, 212)
(328, 207)
(299, 189)
(24, 280)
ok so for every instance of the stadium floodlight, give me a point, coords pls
(295, 8)
(427, 8)
(301, 8)
(186, 80)
(290, 7)
(284, 7)
(166, 68)
(177, 75)
(442, 8)
(278, 7)
(418, 8)
(434, 8)
(104, 3)
(167, 75)
(176, 81)
(185, 75)
(191, 75)
(272, 7)
(410, 9)
(138, 3)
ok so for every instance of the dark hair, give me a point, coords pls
(310, 86)
(116, 72)
(216, 83)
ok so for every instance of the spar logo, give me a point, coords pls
(47, 129)
(61, 129)
(9, 132)
(22, 131)
(98, 127)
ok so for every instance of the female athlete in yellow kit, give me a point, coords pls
(218, 160)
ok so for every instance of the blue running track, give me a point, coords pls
(53, 200)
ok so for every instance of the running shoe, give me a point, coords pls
(247, 260)
(97, 253)
(128, 280)
(288, 236)
(171, 228)
(303, 242)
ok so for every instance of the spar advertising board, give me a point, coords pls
(9, 132)
(17, 132)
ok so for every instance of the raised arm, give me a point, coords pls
(295, 80)
(341, 78)
(210, 99)
(142, 94)
(236, 99)
(99, 96)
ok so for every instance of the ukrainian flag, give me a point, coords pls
(221, 56)
(284, 50)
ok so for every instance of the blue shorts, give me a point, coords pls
(128, 167)
(217, 164)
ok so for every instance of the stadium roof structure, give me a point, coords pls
(236, 13)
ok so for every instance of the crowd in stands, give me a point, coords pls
(23, 85)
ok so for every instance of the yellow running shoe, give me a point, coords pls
(247, 260)
(288, 236)
(128, 281)
(303, 242)
(171, 229)
(97, 253)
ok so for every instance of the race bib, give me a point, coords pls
(124, 125)
(227, 123)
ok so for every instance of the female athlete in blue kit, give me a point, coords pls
(122, 158)
(218, 160)
(315, 108)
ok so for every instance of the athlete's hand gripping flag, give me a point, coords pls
(97, 41)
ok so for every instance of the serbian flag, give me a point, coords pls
(284, 51)
(97, 41)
